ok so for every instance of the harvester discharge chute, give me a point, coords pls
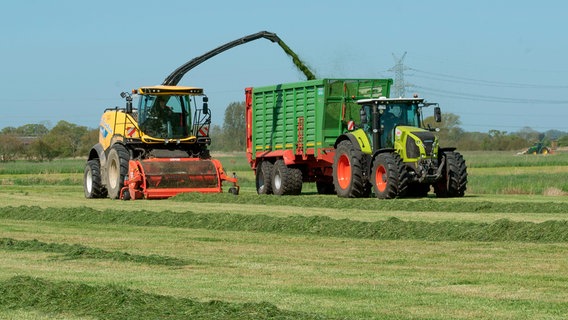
(160, 178)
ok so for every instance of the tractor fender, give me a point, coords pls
(383, 150)
(449, 149)
(98, 152)
(358, 138)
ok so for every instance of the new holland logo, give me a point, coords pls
(130, 131)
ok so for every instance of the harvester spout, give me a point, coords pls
(175, 77)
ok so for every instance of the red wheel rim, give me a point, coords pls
(381, 178)
(343, 172)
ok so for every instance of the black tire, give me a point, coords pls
(325, 187)
(388, 176)
(454, 179)
(348, 171)
(117, 169)
(92, 183)
(285, 180)
(264, 178)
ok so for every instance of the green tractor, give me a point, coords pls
(392, 154)
(538, 148)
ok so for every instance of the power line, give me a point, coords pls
(447, 77)
(478, 97)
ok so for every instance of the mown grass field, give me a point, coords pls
(501, 252)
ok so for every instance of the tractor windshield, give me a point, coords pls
(165, 116)
(403, 114)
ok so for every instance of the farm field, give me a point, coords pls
(501, 252)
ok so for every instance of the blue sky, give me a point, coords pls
(497, 64)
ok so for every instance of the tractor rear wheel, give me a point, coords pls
(92, 183)
(117, 168)
(286, 180)
(263, 178)
(454, 179)
(348, 171)
(387, 176)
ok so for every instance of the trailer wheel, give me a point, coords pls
(387, 175)
(117, 169)
(286, 180)
(348, 171)
(92, 183)
(454, 180)
(263, 178)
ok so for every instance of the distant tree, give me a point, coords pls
(40, 150)
(500, 140)
(88, 140)
(216, 135)
(450, 132)
(9, 130)
(563, 141)
(10, 147)
(529, 134)
(234, 128)
(33, 130)
(65, 139)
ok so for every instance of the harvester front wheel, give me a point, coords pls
(286, 180)
(92, 183)
(454, 180)
(117, 169)
(263, 178)
(387, 176)
(348, 171)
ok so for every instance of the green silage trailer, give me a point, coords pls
(294, 127)
(349, 138)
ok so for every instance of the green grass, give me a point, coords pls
(77, 251)
(47, 167)
(498, 253)
(291, 274)
(390, 229)
(508, 159)
(115, 302)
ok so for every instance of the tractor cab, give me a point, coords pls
(380, 118)
(170, 113)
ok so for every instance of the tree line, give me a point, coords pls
(37, 142)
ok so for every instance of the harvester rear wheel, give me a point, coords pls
(92, 183)
(263, 178)
(387, 175)
(117, 168)
(348, 171)
(286, 180)
(454, 180)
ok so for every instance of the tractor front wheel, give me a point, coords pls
(117, 168)
(387, 176)
(454, 180)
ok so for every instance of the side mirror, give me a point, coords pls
(437, 114)
(205, 105)
(128, 97)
